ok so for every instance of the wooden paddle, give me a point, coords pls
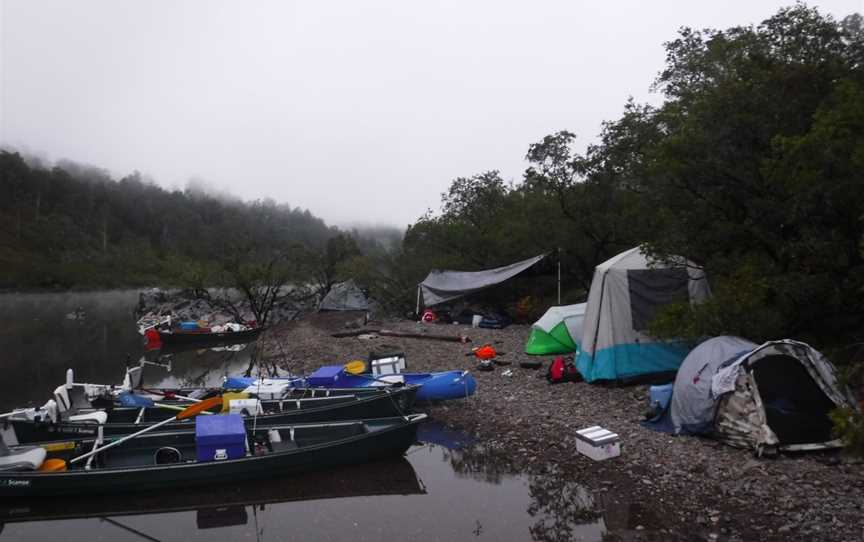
(189, 412)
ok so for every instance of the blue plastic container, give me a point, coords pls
(220, 437)
(189, 326)
(328, 376)
(660, 395)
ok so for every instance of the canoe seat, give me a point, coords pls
(71, 399)
(20, 458)
(284, 446)
(99, 416)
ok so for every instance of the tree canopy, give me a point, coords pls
(751, 167)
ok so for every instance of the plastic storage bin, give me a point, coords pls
(220, 437)
(327, 376)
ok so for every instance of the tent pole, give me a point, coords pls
(559, 275)
(417, 312)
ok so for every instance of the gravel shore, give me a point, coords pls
(673, 488)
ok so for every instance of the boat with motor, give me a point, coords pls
(220, 450)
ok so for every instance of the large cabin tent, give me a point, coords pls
(558, 331)
(626, 293)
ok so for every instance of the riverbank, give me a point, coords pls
(675, 487)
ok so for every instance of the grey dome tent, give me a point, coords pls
(345, 296)
(692, 406)
(778, 397)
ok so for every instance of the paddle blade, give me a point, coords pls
(198, 408)
(355, 367)
(128, 399)
(53, 465)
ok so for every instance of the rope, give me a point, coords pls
(258, 396)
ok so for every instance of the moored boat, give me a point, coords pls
(176, 459)
(121, 420)
(207, 337)
(434, 386)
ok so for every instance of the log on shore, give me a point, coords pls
(404, 335)
(354, 333)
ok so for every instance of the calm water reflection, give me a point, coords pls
(94, 333)
(434, 493)
(447, 487)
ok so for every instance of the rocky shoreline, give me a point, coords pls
(676, 488)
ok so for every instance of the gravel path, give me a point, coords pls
(675, 488)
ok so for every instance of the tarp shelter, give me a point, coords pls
(692, 407)
(440, 286)
(778, 396)
(345, 296)
(626, 293)
(558, 331)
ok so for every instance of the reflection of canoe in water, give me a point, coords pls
(391, 477)
(179, 348)
(125, 420)
(170, 460)
(207, 337)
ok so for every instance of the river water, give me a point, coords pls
(446, 487)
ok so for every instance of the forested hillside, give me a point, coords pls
(75, 226)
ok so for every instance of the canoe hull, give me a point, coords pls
(121, 421)
(439, 386)
(208, 338)
(387, 441)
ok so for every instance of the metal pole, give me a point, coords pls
(559, 275)
(417, 312)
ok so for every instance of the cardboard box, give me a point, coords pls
(598, 443)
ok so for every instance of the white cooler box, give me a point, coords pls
(269, 389)
(247, 407)
(388, 366)
(598, 443)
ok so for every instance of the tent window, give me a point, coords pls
(795, 407)
(652, 289)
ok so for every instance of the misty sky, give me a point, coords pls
(360, 111)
